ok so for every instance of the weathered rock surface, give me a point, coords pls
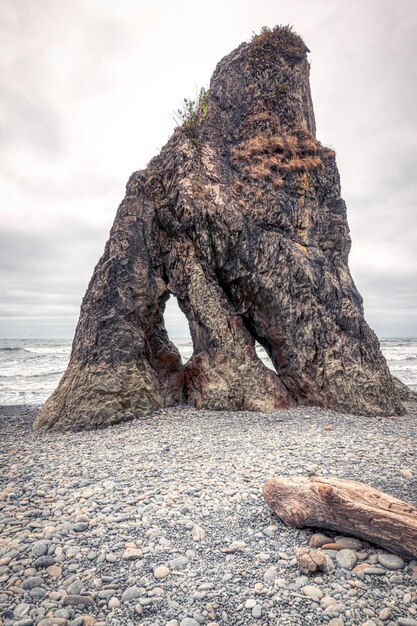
(240, 217)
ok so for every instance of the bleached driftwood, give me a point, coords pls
(346, 506)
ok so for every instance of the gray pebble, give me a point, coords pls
(346, 558)
(76, 600)
(179, 562)
(131, 593)
(22, 609)
(271, 573)
(391, 561)
(37, 592)
(43, 562)
(75, 588)
(31, 582)
(40, 548)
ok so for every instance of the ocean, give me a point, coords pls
(30, 369)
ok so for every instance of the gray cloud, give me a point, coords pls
(44, 274)
(87, 94)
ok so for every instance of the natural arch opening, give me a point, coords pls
(177, 327)
(263, 356)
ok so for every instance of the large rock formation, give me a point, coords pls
(240, 217)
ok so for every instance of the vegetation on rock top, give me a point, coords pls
(281, 39)
(193, 113)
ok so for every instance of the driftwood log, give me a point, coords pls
(346, 506)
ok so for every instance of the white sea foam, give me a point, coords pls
(399, 349)
(31, 369)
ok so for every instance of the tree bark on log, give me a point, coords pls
(346, 506)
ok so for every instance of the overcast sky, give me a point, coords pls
(88, 90)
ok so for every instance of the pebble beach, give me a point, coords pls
(161, 521)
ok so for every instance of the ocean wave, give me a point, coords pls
(22, 349)
(12, 349)
(29, 376)
(49, 351)
(39, 357)
(393, 355)
(30, 369)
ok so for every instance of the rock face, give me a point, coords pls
(240, 217)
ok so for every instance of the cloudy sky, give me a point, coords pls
(88, 90)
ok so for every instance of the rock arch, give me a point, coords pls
(240, 217)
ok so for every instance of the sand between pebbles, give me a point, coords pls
(161, 521)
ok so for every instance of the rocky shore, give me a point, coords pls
(161, 521)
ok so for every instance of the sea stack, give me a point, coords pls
(240, 217)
